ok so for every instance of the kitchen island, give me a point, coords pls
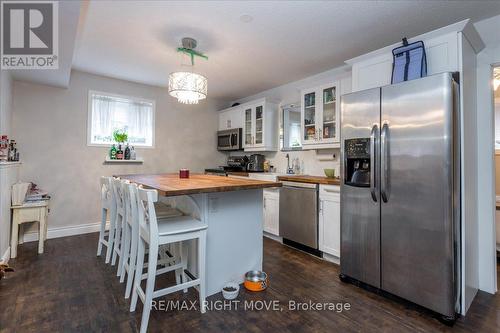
(233, 211)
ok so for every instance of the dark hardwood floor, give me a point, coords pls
(69, 289)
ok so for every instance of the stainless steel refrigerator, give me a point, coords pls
(400, 191)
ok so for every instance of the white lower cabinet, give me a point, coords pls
(271, 204)
(9, 175)
(329, 219)
(271, 211)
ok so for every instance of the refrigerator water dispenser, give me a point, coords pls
(357, 162)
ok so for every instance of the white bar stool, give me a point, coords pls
(108, 207)
(152, 234)
(131, 235)
(119, 221)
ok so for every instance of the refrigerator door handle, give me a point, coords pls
(384, 162)
(373, 162)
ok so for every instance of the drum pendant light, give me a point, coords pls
(188, 87)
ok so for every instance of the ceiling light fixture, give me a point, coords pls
(188, 87)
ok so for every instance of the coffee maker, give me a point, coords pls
(256, 163)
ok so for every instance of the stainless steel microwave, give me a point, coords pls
(229, 139)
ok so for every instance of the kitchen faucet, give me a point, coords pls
(288, 169)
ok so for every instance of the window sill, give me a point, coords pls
(136, 161)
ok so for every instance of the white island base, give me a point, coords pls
(234, 235)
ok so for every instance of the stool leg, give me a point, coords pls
(125, 253)
(175, 251)
(131, 265)
(41, 233)
(118, 228)
(104, 214)
(150, 285)
(121, 250)
(138, 273)
(15, 235)
(184, 259)
(201, 268)
(111, 237)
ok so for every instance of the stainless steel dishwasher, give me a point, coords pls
(299, 213)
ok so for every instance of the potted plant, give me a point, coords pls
(120, 136)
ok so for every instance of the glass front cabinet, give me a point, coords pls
(320, 117)
(259, 128)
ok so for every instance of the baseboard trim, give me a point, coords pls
(273, 237)
(72, 230)
(331, 258)
(6, 256)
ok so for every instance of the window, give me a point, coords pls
(109, 112)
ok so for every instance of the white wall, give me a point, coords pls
(5, 103)
(488, 29)
(314, 161)
(50, 125)
(5, 129)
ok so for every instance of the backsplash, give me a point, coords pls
(313, 161)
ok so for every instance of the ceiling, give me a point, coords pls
(284, 41)
(69, 13)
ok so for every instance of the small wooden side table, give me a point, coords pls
(29, 212)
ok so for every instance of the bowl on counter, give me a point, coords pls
(330, 173)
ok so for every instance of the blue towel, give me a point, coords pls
(409, 62)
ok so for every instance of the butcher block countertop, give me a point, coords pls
(310, 179)
(169, 184)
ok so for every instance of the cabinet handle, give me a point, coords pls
(264, 203)
(321, 206)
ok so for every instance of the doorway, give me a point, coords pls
(496, 105)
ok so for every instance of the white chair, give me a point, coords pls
(120, 217)
(108, 207)
(131, 235)
(152, 234)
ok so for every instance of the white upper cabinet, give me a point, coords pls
(260, 126)
(442, 50)
(230, 118)
(320, 116)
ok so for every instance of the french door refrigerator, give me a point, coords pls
(400, 191)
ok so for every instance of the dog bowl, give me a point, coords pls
(230, 290)
(256, 281)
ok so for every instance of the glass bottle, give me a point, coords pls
(127, 152)
(133, 155)
(112, 152)
(119, 153)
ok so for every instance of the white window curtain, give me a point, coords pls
(112, 113)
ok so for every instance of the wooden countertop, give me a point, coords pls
(237, 173)
(169, 184)
(310, 179)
